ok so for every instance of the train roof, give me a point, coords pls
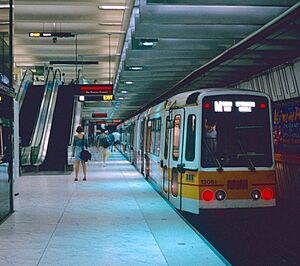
(192, 97)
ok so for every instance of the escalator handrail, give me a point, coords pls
(43, 109)
(26, 150)
(42, 146)
(22, 91)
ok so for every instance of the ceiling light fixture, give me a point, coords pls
(113, 7)
(111, 24)
(124, 92)
(5, 6)
(121, 98)
(145, 43)
(135, 68)
(128, 82)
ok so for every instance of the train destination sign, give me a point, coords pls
(226, 106)
(96, 89)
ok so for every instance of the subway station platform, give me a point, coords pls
(113, 218)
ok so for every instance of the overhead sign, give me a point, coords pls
(96, 89)
(99, 115)
(96, 98)
(51, 34)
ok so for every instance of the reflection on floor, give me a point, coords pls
(114, 218)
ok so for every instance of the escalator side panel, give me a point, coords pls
(29, 112)
(56, 157)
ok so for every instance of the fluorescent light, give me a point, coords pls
(135, 68)
(124, 92)
(26, 65)
(128, 82)
(147, 43)
(4, 6)
(113, 7)
(121, 98)
(111, 24)
(81, 98)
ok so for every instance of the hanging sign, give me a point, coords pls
(96, 89)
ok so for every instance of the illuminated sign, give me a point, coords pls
(51, 34)
(97, 97)
(99, 114)
(226, 106)
(223, 106)
(108, 97)
(245, 107)
(96, 89)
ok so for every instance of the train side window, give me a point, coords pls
(152, 136)
(167, 138)
(157, 136)
(165, 179)
(149, 128)
(174, 187)
(190, 138)
(176, 137)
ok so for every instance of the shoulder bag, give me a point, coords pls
(85, 155)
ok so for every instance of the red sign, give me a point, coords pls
(99, 115)
(96, 89)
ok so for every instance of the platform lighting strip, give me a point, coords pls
(111, 24)
(5, 6)
(112, 7)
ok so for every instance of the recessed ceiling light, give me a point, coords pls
(121, 98)
(148, 43)
(124, 92)
(135, 68)
(113, 7)
(128, 82)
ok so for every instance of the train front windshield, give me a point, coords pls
(236, 132)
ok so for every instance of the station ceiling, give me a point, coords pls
(158, 47)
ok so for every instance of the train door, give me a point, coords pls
(164, 159)
(190, 162)
(6, 120)
(175, 157)
(142, 144)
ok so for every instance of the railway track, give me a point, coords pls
(267, 237)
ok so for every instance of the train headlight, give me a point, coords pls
(255, 194)
(220, 195)
(267, 194)
(208, 195)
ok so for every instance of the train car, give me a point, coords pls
(210, 149)
(6, 150)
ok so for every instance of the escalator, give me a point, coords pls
(32, 115)
(40, 140)
(26, 83)
(56, 158)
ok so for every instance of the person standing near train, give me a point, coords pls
(211, 140)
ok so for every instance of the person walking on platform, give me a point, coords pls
(102, 145)
(78, 144)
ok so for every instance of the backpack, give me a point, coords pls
(111, 139)
(104, 142)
